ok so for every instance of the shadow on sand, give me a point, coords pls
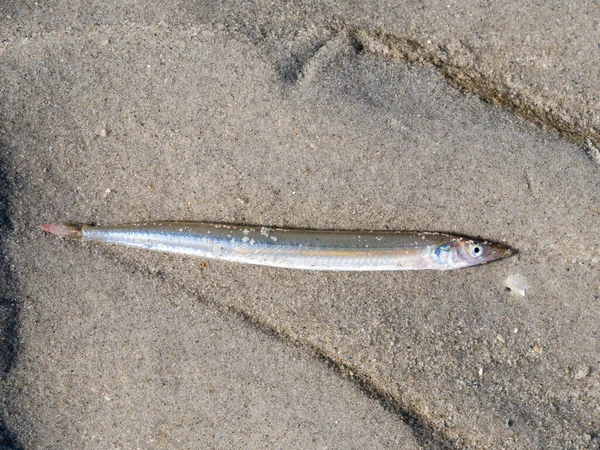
(9, 323)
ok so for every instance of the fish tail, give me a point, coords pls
(64, 230)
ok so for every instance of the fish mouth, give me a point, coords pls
(498, 251)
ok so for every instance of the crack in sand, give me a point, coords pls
(455, 61)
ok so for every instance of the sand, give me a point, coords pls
(300, 114)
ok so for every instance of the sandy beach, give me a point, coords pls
(467, 117)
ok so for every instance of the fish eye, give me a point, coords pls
(475, 250)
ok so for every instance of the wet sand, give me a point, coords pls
(298, 115)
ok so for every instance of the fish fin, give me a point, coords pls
(63, 230)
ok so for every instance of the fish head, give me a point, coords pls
(464, 252)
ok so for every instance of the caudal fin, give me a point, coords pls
(63, 230)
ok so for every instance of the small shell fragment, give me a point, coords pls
(517, 283)
(581, 372)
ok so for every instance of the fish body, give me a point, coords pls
(296, 248)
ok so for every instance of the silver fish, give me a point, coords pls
(296, 249)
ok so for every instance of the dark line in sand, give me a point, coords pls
(425, 434)
(542, 112)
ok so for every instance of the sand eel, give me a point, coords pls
(296, 248)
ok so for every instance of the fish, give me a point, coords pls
(303, 249)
